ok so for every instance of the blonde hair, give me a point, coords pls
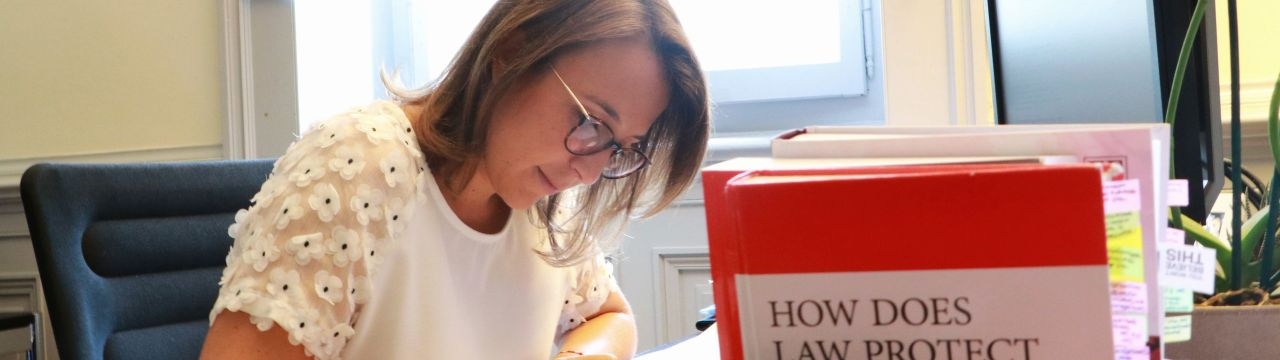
(526, 35)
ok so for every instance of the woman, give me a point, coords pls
(468, 220)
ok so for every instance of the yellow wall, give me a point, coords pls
(90, 77)
(1258, 24)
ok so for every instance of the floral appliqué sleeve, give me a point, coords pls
(305, 249)
(590, 284)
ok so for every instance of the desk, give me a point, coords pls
(17, 335)
(702, 346)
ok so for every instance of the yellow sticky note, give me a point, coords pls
(1177, 328)
(1121, 224)
(1125, 262)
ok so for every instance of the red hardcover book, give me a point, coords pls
(942, 261)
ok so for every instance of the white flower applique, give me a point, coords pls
(242, 293)
(376, 128)
(306, 247)
(367, 203)
(410, 141)
(338, 337)
(373, 251)
(291, 209)
(227, 271)
(570, 317)
(328, 135)
(396, 170)
(328, 287)
(263, 323)
(270, 190)
(345, 246)
(261, 252)
(291, 156)
(397, 216)
(285, 286)
(309, 170)
(347, 161)
(297, 320)
(326, 201)
(234, 230)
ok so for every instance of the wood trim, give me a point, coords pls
(1255, 98)
(237, 58)
(668, 263)
(11, 169)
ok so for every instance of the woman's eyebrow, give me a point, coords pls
(613, 114)
(608, 109)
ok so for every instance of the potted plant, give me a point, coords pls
(1236, 322)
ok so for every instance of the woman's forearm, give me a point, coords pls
(612, 333)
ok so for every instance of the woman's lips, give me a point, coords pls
(546, 182)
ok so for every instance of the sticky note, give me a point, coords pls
(1125, 263)
(1177, 300)
(1129, 330)
(1128, 298)
(1177, 328)
(1174, 236)
(1177, 190)
(1121, 224)
(1134, 353)
(1188, 266)
(1121, 196)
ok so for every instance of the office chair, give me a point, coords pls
(130, 254)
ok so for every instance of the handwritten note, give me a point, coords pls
(1121, 196)
(1129, 330)
(1128, 298)
(1177, 300)
(1177, 328)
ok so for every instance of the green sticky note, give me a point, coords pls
(1177, 328)
(1121, 224)
(1177, 300)
(1125, 262)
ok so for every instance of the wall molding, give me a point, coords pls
(668, 264)
(11, 169)
(240, 137)
(1254, 146)
(1255, 98)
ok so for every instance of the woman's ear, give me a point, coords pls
(506, 52)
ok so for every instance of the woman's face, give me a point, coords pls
(620, 82)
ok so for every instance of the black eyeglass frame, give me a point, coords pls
(618, 150)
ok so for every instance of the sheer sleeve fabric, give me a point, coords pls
(589, 286)
(305, 249)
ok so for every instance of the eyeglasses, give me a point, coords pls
(591, 136)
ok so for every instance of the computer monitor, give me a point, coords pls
(1107, 61)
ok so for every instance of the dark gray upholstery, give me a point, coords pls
(130, 255)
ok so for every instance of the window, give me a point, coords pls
(751, 50)
(771, 65)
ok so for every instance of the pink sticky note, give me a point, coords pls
(1121, 196)
(1177, 190)
(1130, 331)
(1128, 297)
(1174, 236)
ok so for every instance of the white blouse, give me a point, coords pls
(351, 249)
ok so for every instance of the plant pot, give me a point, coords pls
(1230, 332)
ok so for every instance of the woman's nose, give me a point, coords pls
(589, 167)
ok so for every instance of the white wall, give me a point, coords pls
(100, 81)
(91, 77)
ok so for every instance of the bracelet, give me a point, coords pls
(579, 353)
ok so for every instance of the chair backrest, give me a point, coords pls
(130, 254)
